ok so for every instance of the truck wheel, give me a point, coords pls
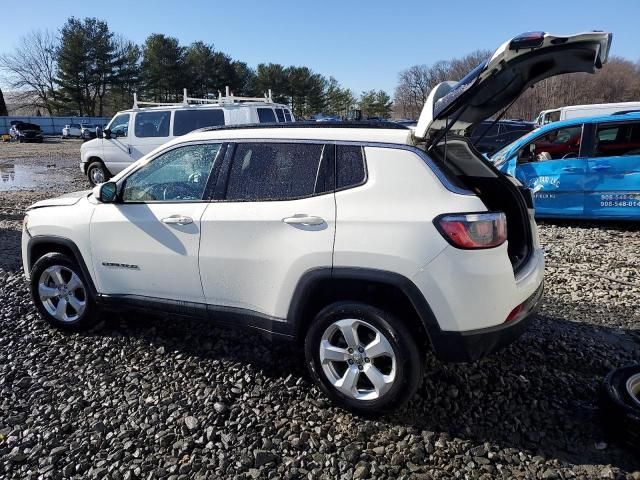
(61, 294)
(363, 358)
(97, 173)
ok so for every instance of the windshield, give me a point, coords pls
(500, 156)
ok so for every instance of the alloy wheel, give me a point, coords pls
(357, 359)
(62, 293)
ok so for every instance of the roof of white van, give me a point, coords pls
(205, 106)
(384, 132)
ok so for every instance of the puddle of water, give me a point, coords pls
(21, 177)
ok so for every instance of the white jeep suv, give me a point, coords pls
(366, 243)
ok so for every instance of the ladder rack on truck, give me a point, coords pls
(227, 99)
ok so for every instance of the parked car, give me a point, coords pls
(25, 132)
(73, 130)
(326, 118)
(88, 131)
(131, 134)
(364, 243)
(578, 111)
(489, 136)
(580, 168)
(406, 122)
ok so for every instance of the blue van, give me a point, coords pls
(580, 168)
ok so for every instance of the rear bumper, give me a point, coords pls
(471, 345)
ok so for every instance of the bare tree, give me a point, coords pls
(618, 81)
(415, 83)
(31, 69)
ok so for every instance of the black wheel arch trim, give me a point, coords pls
(94, 159)
(309, 280)
(64, 242)
(450, 346)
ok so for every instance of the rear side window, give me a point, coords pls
(152, 124)
(185, 121)
(274, 171)
(280, 114)
(266, 115)
(618, 140)
(350, 166)
(287, 116)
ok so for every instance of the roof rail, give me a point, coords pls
(310, 124)
(227, 99)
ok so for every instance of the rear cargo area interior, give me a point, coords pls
(467, 167)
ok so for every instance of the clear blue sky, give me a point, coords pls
(364, 44)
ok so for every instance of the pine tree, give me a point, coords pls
(162, 69)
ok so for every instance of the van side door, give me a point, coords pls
(150, 130)
(612, 187)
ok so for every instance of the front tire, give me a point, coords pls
(61, 293)
(363, 358)
(97, 173)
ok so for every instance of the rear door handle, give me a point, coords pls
(303, 219)
(599, 168)
(570, 169)
(177, 220)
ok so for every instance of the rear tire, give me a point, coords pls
(61, 293)
(363, 358)
(97, 173)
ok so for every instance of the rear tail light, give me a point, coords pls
(473, 230)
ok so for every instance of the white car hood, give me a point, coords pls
(62, 201)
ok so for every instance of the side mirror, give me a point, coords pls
(106, 192)
(106, 133)
(98, 131)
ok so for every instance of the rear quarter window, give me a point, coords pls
(350, 166)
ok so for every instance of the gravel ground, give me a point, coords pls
(146, 397)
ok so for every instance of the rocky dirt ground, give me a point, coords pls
(144, 397)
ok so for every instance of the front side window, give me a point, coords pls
(618, 140)
(185, 121)
(119, 126)
(350, 166)
(180, 174)
(553, 145)
(266, 115)
(152, 124)
(274, 171)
